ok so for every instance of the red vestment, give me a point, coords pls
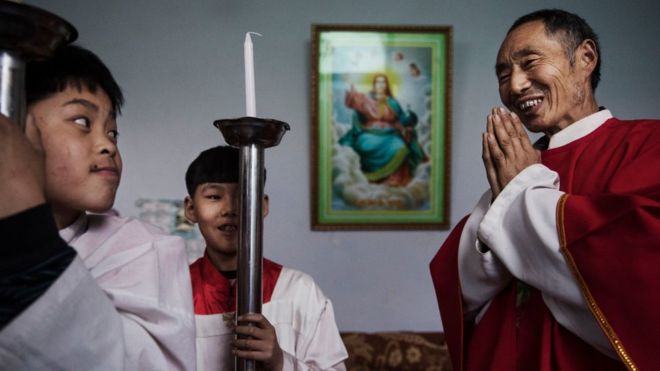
(213, 293)
(608, 224)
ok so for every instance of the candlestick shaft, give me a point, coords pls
(251, 135)
(26, 33)
(12, 93)
(250, 251)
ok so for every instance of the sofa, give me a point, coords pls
(402, 350)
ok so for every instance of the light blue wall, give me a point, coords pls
(181, 66)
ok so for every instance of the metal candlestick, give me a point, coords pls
(251, 135)
(26, 33)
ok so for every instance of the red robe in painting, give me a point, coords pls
(608, 224)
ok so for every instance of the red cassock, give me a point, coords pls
(608, 224)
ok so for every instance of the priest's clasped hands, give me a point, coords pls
(507, 149)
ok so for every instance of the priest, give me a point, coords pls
(555, 268)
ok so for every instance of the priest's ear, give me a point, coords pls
(189, 209)
(586, 55)
(264, 206)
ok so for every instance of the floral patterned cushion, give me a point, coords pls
(396, 351)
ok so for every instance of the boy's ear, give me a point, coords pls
(32, 132)
(264, 206)
(189, 209)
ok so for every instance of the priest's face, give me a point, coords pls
(215, 207)
(539, 83)
(77, 132)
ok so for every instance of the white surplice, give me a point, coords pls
(304, 322)
(124, 303)
(524, 215)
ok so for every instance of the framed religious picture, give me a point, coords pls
(381, 124)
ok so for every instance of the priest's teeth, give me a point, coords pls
(227, 227)
(524, 106)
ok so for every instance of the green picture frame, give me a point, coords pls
(381, 114)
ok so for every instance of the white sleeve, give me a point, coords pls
(155, 306)
(325, 345)
(305, 325)
(520, 227)
(481, 273)
(89, 322)
(61, 329)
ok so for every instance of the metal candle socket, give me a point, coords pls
(26, 33)
(251, 135)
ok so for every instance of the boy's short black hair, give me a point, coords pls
(214, 165)
(71, 66)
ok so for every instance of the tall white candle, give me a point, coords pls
(250, 101)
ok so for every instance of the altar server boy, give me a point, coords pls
(297, 330)
(80, 289)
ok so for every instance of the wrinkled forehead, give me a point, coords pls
(527, 38)
(524, 33)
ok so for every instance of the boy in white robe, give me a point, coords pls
(109, 294)
(296, 330)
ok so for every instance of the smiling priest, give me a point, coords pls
(556, 267)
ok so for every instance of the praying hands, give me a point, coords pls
(507, 149)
